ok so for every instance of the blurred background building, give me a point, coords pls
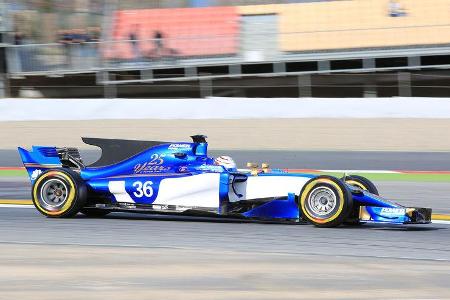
(253, 48)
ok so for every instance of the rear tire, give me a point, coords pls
(325, 201)
(59, 193)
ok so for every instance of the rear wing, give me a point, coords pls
(39, 159)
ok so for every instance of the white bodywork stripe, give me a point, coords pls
(267, 186)
(198, 190)
(117, 188)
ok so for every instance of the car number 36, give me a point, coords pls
(143, 189)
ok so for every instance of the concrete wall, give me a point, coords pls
(222, 108)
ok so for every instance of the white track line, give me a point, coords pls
(17, 205)
(440, 222)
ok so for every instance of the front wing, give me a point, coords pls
(397, 215)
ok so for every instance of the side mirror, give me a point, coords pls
(265, 167)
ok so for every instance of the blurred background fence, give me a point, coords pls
(144, 42)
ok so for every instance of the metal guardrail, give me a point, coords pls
(59, 59)
(122, 54)
(56, 58)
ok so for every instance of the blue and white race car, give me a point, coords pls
(180, 177)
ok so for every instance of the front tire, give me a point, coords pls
(325, 201)
(363, 184)
(59, 193)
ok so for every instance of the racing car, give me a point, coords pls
(179, 177)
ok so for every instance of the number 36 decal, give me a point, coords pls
(143, 189)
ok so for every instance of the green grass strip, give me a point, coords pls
(400, 177)
(13, 173)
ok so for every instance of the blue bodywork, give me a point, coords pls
(182, 160)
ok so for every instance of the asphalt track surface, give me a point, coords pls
(416, 242)
(336, 160)
(139, 256)
(175, 257)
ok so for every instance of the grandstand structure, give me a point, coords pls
(297, 48)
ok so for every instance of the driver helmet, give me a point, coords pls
(225, 161)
